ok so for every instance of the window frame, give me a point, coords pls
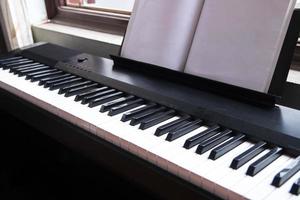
(103, 20)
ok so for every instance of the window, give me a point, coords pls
(110, 16)
(116, 6)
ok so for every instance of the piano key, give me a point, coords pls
(125, 107)
(48, 75)
(64, 83)
(172, 125)
(285, 174)
(80, 97)
(226, 147)
(29, 76)
(14, 61)
(31, 70)
(127, 116)
(90, 98)
(248, 155)
(242, 188)
(51, 82)
(296, 187)
(13, 64)
(190, 126)
(23, 67)
(106, 107)
(10, 59)
(145, 124)
(284, 191)
(79, 90)
(65, 89)
(210, 143)
(105, 99)
(52, 78)
(191, 142)
(136, 119)
(263, 162)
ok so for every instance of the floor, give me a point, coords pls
(34, 166)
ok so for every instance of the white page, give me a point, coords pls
(239, 42)
(161, 32)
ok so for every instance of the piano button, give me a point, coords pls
(43, 76)
(296, 187)
(285, 174)
(76, 85)
(248, 155)
(226, 147)
(53, 78)
(173, 135)
(24, 67)
(92, 97)
(106, 107)
(128, 116)
(81, 96)
(263, 162)
(146, 115)
(125, 107)
(32, 70)
(64, 83)
(29, 76)
(105, 99)
(210, 143)
(172, 125)
(191, 142)
(76, 91)
(145, 124)
(51, 82)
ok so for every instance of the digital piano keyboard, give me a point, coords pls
(226, 147)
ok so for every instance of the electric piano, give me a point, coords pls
(176, 134)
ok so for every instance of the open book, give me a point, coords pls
(233, 41)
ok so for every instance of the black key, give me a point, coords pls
(226, 147)
(92, 92)
(51, 82)
(79, 90)
(128, 116)
(46, 75)
(210, 143)
(14, 61)
(189, 127)
(172, 125)
(92, 97)
(105, 99)
(248, 155)
(8, 66)
(29, 76)
(65, 83)
(10, 59)
(285, 174)
(196, 139)
(26, 66)
(44, 80)
(76, 85)
(296, 188)
(125, 107)
(264, 161)
(156, 119)
(109, 105)
(32, 70)
(144, 115)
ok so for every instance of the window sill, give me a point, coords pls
(87, 41)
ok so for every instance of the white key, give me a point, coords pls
(249, 183)
(264, 188)
(284, 191)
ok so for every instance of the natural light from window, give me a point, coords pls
(119, 5)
